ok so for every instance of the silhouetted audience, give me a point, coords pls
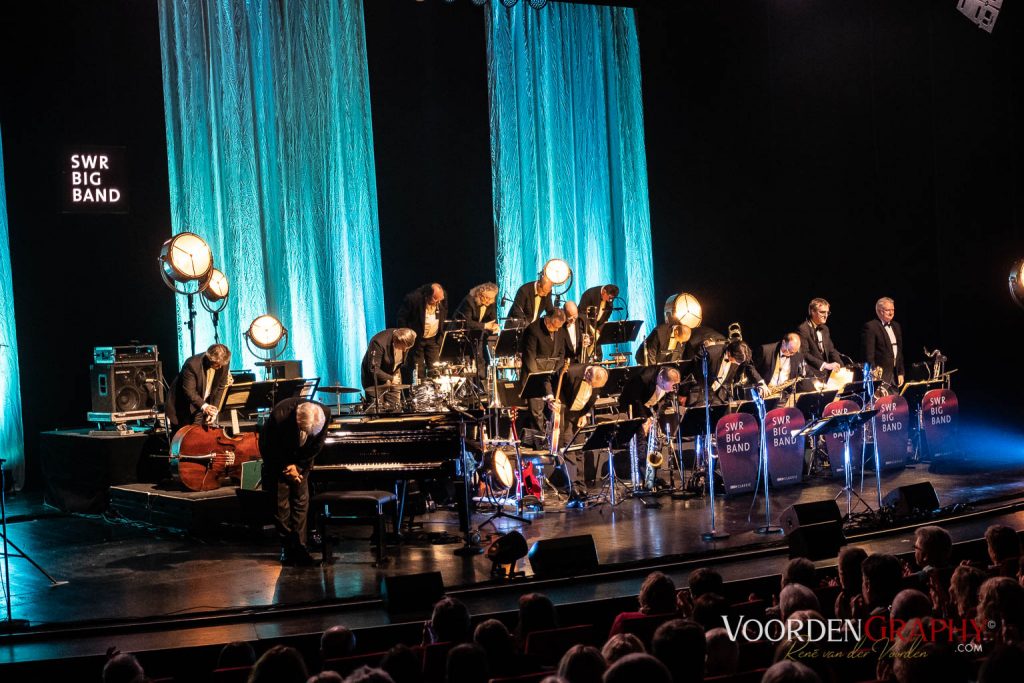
(881, 580)
(326, 677)
(236, 654)
(680, 645)
(1005, 664)
(848, 566)
(709, 609)
(790, 672)
(637, 668)
(467, 663)
(122, 667)
(933, 658)
(1003, 551)
(449, 623)
(800, 570)
(723, 653)
(368, 674)
(403, 664)
(911, 603)
(582, 664)
(620, 645)
(1001, 601)
(795, 597)
(536, 613)
(657, 597)
(497, 643)
(964, 588)
(279, 664)
(337, 641)
(704, 580)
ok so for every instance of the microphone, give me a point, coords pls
(715, 342)
(617, 308)
(505, 299)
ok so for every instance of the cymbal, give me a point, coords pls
(338, 390)
(387, 387)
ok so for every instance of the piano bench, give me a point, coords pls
(357, 506)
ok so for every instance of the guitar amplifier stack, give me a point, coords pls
(126, 383)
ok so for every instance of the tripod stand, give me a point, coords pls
(10, 624)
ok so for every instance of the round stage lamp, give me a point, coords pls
(268, 335)
(186, 258)
(557, 270)
(218, 288)
(1017, 282)
(499, 467)
(505, 552)
(684, 309)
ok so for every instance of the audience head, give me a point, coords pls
(723, 653)
(450, 621)
(1003, 665)
(337, 641)
(1001, 600)
(933, 660)
(238, 653)
(279, 664)
(709, 609)
(637, 667)
(788, 671)
(403, 664)
(467, 663)
(366, 674)
(796, 597)
(657, 594)
(850, 559)
(536, 613)
(910, 604)
(933, 546)
(704, 580)
(964, 588)
(497, 643)
(679, 644)
(800, 570)
(326, 677)
(1003, 543)
(581, 664)
(122, 668)
(620, 645)
(881, 579)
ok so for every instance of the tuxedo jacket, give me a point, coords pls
(765, 362)
(413, 311)
(655, 347)
(878, 349)
(592, 298)
(744, 374)
(697, 338)
(523, 303)
(571, 384)
(470, 312)
(575, 352)
(537, 343)
(189, 388)
(279, 437)
(814, 355)
(380, 360)
(638, 390)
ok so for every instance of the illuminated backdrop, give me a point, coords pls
(12, 442)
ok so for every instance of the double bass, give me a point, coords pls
(204, 458)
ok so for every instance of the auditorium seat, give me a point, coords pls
(435, 661)
(535, 677)
(346, 665)
(231, 674)
(751, 676)
(827, 599)
(644, 627)
(755, 654)
(752, 609)
(547, 647)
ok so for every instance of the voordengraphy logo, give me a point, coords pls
(853, 631)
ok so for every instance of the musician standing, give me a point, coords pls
(578, 395)
(644, 390)
(816, 340)
(478, 309)
(727, 371)
(384, 357)
(882, 340)
(666, 342)
(782, 361)
(291, 438)
(423, 311)
(577, 339)
(197, 387)
(596, 304)
(532, 300)
(543, 348)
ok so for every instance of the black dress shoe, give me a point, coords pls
(286, 557)
(301, 557)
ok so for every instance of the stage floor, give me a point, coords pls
(119, 571)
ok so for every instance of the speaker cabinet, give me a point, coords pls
(567, 556)
(817, 541)
(912, 499)
(126, 387)
(801, 514)
(404, 593)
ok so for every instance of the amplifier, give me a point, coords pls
(126, 387)
(105, 355)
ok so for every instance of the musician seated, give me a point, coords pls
(731, 374)
(576, 399)
(198, 387)
(665, 343)
(543, 348)
(381, 367)
(783, 361)
(290, 440)
(816, 340)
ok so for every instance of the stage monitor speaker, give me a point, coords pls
(126, 387)
(567, 556)
(800, 514)
(405, 593)
(906, 500)
(817, 541)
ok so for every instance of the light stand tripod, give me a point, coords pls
(9, 624)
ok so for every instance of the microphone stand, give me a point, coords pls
(869, 400)
(375, 365)
(709, 463)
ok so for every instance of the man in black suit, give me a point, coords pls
(578, 395)
(532, 300)
(291, 438)
(666, 342)
(699, 336)
(423, 311)
(816, 341)
(198, 388)
(645, 389)
(384, 358)
(728, 371)
(543, 349)
(577, 339)
(782, 361)
(480, 312)
(882, 340)
(596, 304)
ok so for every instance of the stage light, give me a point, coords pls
(267, 334)
(509, 3)
(538, 4)
(185, 258)
(1017, 282)
(505, 552)
(218, 288)
(684, 309)
(557, 270)
(498, 465)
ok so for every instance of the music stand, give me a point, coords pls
(843, 422)
(914, 393)
(611, 435)
(460, 343)
(617, 379)
(813, 402)
(619, 332)
(508, 341)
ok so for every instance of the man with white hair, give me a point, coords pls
(578, 395)
(291, 438)
(882, 340)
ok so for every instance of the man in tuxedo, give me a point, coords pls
(816, 340)
(479, 309)
(198, 388)
(596, 304)
(666, 342)
(385, 355)
(543, 348)
(423, 311)
(578, 395)
(782, 361)
(645, 389)
(728, 370)
(882, 340)
(577, 339)
(699, 336)
(532, 300)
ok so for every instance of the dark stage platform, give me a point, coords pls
(130, 577)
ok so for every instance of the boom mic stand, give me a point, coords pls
(709, 463)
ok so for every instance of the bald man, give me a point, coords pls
(577, 339)
(578, 395)
(782, 361)
(423, 311)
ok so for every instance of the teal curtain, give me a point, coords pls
(569, 172)
(270, 153)
(12, 435)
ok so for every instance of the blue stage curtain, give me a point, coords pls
(12, 435)
(270, 152)
(567, 148)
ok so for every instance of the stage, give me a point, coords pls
(146, 587)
